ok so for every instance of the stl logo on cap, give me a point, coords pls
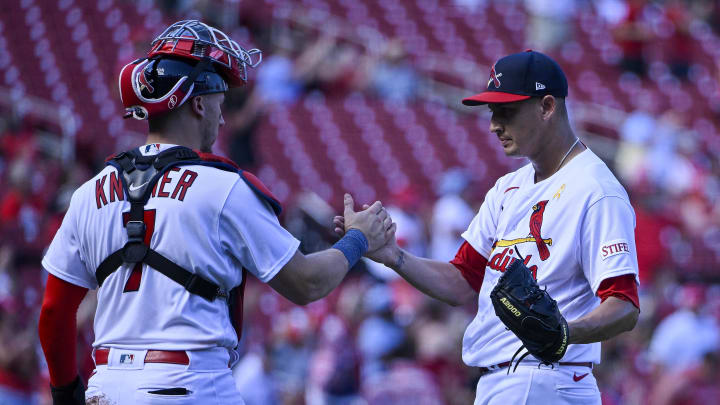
(494, 77)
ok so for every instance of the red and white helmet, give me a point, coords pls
(188, 59)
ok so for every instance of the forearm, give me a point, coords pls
(305, 279)
(440, 280)
(613, 317)
(325, 270)
(57, 329)
(58, 349)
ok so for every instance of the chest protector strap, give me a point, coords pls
(139, 174)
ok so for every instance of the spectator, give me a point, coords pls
(451, 215)
(402, 381)
(276, 81)
(392, 77)
(437, 330)
(334, 369)
(696, 386)
(550, 23)
(683, 338)
(243, 125)
(636, 134)
(403, 207)
(18, 360)
(666, 168)
(290, 354)
(378, 335)
(253, 379)
(632, 35)
(680, 42)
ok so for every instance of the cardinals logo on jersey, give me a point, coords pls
(536, 219)
(500, 260)
(494, 78)
(535, 236)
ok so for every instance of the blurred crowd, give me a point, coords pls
(376, 340)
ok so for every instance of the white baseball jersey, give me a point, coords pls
(574, 230)
(206, 220)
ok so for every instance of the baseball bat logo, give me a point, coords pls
(145, 83)
(494, 78)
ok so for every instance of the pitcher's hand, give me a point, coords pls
(370, 221)
(388, 252)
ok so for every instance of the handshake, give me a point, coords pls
(378, 229)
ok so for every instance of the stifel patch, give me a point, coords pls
(614, 247)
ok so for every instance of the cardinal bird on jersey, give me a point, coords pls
(536, 220)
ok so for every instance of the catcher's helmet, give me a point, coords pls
(188, 59)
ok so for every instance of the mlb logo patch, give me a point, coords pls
(126, 359)
(152, 147)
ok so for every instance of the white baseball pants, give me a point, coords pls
(127, 379)
(530, 385)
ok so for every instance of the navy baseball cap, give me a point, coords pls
(520, 76)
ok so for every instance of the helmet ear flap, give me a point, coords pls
(133, 82)
(125, 83)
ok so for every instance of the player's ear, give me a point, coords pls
(548, 105)
(197, 106)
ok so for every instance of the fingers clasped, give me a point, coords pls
(374, 221)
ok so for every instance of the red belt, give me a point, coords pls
(485, 370)
(152, 356)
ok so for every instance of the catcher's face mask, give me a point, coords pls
(188, 59)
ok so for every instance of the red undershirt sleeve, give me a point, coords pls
(57, 329)
(623, 287)
(471, 265)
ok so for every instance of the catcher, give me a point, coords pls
(549, 258)
(168, 233)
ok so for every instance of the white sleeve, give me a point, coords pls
(481, 232)
(64, 258)
(252, 235)
(607, 244)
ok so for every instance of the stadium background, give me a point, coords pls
(363, 96)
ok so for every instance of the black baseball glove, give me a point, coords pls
(531, 314)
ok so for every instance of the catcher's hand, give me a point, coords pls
(531, 314)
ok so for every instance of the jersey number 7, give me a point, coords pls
(133, 282)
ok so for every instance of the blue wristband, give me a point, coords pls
(353, 245)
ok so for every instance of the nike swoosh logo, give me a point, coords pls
(133, 188)
(577, 378)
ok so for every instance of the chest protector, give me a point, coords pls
(139, 174)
